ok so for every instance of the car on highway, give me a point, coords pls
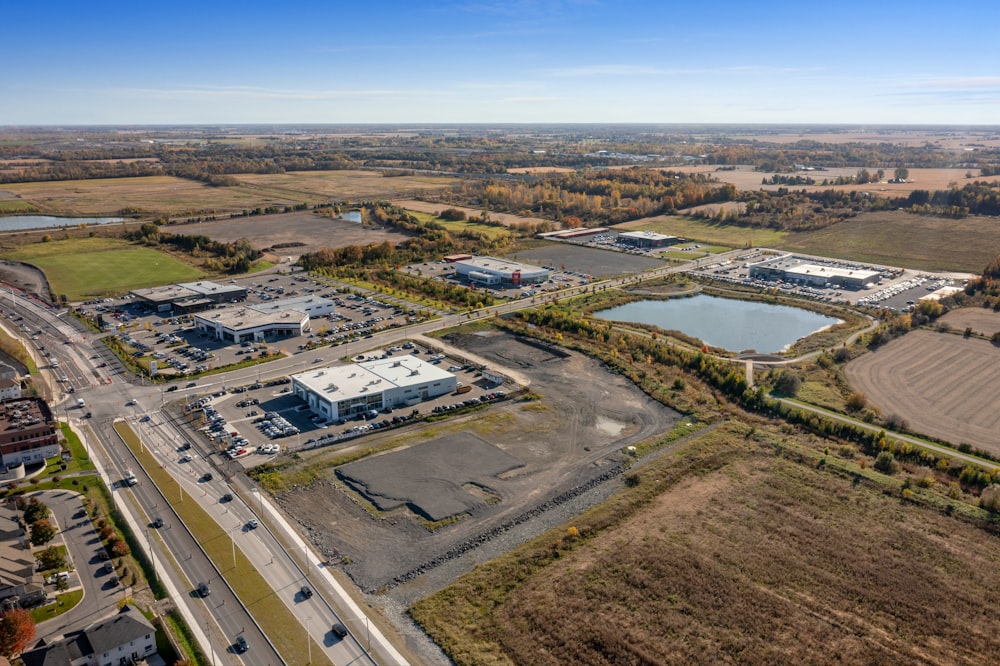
(207, 476)
(203, 589)
(306, 592)
(339, 630)
(131, 402)
(186, 458)
(172, 388)
(158, 522)
(242, 645)
(228, 497)
(252, 524)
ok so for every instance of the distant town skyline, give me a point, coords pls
(486, 61)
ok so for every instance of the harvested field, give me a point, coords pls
(745, 178)
(537, 451)
(729, 552)
(942, 384)
(898, 238)
(588, 260)
(982, 322)
(343, 185)
(154, 194)
(435, 208)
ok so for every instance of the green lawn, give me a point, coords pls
(64, 602)
(730, 236)
(457, 226)
(87, 267)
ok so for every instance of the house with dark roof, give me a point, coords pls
(124, 639)
(20, 584)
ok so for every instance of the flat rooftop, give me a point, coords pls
(243, 318)
(23, 413)
(298, 303)
(348, 381)
(500, 265)
(174, 292)
(647, 235)
(813, 270)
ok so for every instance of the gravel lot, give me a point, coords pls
(542, 456)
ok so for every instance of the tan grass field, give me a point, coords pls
(942, 384)
(435, 208)
(745, 551)
(541, 169)
(943, 138)
(326, 185)
(155, 194)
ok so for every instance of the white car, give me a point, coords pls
(186, 458)
(131, 402)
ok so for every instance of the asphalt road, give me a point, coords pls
(100, 598)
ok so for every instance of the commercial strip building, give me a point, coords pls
(490, 271)
(187, 297)
(344, 391)
(788, 268)
(647, 239)
(248, 324)
(27, 432)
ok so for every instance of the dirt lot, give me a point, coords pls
(535, 451)
(266, 231)
(942, 384)
(588, 260)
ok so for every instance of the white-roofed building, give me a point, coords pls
(647, 239)
(344, 391)
(251, 325)
(490, 271)
(314, 306)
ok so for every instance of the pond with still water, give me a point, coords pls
(724, 322)
(23, 222)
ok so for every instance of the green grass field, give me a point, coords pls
(729, 236)
(457, 226)
(16, 206)
(87, 267)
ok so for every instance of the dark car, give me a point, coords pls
(242, 645)
(339, 630)
(203, 589)
(103, 555)
(228, 497)
(306, 592)
(207, 476)
(158, 522)
(172, 388)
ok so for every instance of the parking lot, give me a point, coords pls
(254, 423)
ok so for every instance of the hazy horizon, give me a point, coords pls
(500, 63)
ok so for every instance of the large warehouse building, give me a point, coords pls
(345, 391)
(490, 271)
(792, 269)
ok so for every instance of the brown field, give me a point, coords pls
(434, 208)
(946, 139)
(745, 178)
(734, 550)
(981, 321)
(155, 194)
(343, 185)
(942, 384)
(899, 238)
(265, 231)
(713, 208)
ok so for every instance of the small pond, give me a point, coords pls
(725, 322)
(24, 222)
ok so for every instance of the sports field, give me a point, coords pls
(89, 267)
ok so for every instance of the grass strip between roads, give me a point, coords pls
(283, 629)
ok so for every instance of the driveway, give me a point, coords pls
(82, 543)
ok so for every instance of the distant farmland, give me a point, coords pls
(347, 184)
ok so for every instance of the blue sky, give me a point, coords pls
(487, 61)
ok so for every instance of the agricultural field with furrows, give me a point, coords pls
(746, 545)
(942, 384)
